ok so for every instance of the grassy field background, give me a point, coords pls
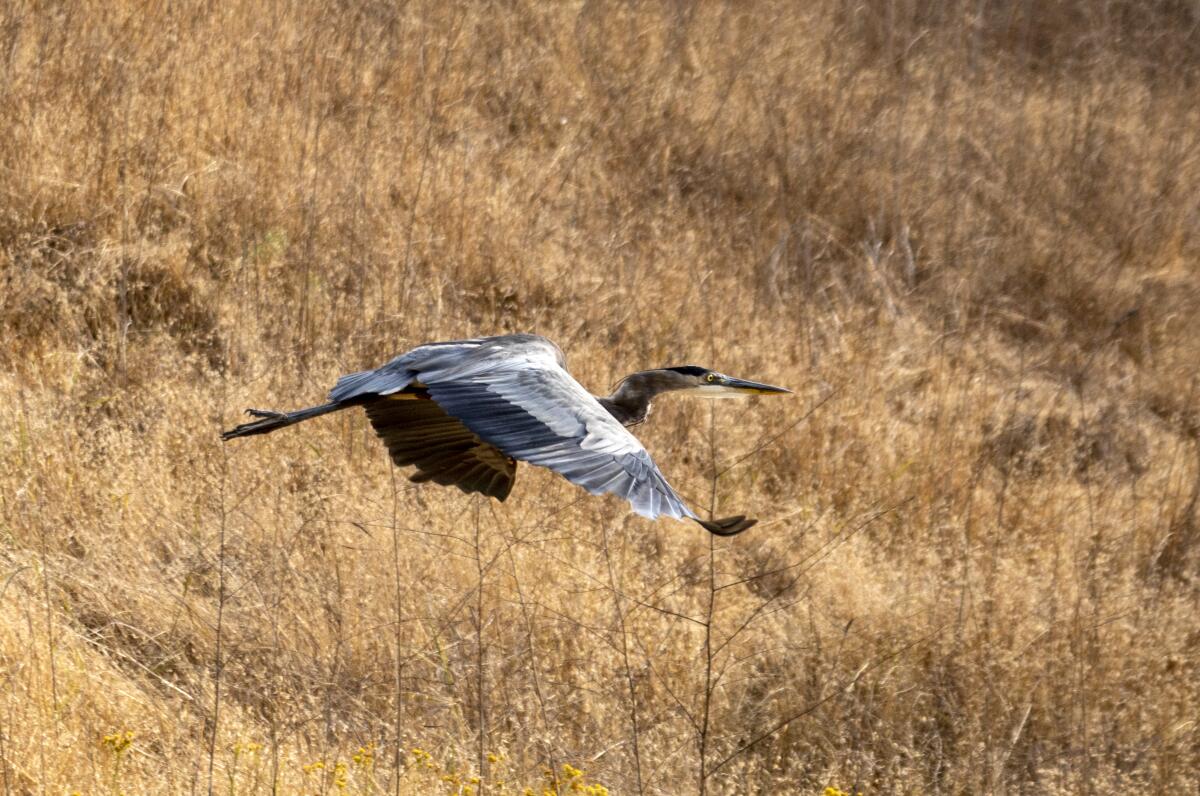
(965, 233)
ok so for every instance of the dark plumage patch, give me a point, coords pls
(689, 370)
(417, 431)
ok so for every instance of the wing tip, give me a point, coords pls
(728, 526)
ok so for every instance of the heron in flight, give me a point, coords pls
(465, 412)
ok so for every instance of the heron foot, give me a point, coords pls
(265, 413)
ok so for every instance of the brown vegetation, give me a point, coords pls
(965, 233)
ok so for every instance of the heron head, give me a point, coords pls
(711, 384)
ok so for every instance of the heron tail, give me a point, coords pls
(269, 421)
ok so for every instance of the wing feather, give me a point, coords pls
(418, 432)
(516, 396)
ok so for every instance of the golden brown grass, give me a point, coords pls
(966, 233)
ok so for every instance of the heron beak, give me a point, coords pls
(729, 387)
(753, 387)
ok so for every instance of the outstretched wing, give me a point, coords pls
(514, 393)
(515, 399)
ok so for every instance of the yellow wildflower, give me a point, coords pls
(365, 755)
(119, 741)
(339, 774)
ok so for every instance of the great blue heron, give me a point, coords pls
(464, 412)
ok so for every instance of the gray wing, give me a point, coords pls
(514, 393)
(402, 371)
(418, 432)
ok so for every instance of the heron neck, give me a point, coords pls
(630, 402)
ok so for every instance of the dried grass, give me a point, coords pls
(966, 234)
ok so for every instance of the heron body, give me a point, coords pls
(464, 412)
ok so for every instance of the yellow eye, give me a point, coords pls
(710, 378)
